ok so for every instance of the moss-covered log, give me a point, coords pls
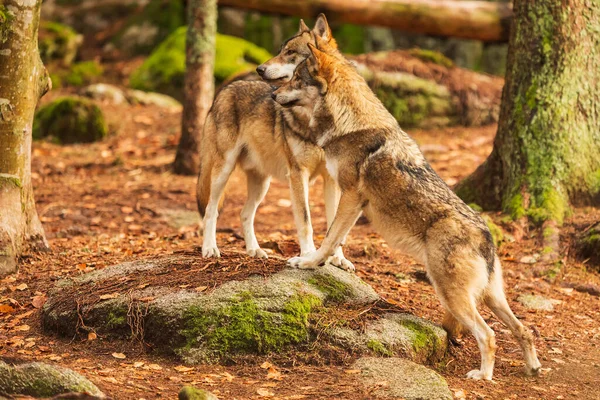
(198, 85)
(545, 154)
(23, 80)
(480, 20)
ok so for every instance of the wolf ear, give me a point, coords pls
(302, 28)
(322, 28)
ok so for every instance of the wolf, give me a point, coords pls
(246, 127)
(382, 173)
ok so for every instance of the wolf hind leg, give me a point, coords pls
(221, 171)
(460, 300)
(495, 299)
(257, 189)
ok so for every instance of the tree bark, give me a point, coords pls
(198, 90)
(546, 151)
(23, 80)
(480, 20)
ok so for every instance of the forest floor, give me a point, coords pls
(114, 201)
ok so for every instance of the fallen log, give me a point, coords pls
(479, 20)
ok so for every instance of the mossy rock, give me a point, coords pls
(404, 379)
(58, 42)
(78, 74)
(258, 314)
(163, 71)
(43, 380)
(143, 31)
(70, 120)
(588, 246)
(192, 393)
(432, 56)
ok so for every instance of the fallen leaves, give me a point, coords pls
(264, 392)
(92, 336)
(119, 356)
(21, 287)
(6, 309)
(183, 368)
(38, 301)
(109, 296)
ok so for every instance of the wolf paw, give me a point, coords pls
(477, 375)
(533, 370)
(341, 262)
(210, 252)
(302, 263)
(258, 253)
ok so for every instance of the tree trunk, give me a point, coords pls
(199, 89)
(547, 150)
(480, 20)
(23, 80)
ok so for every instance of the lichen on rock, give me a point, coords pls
(70, 120)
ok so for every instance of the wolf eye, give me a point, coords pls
(289, 52)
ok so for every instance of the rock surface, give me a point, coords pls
(397, 378)
(192, 393)
(539, 303)
(43, 380)
(70, 120)
(269, 309)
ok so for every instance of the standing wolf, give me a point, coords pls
(246, 127)
(382, 172)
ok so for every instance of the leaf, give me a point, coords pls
(21, 328)
(109, 296)
(227, 377)
(6, 309)
(264, 392)
(266, 365)
(120, 356)
(183, 368)
(155, 367)
(55, 357)
(92, 336)
(352, 371)
(138, 364)
(274, 374)
(126, 210)
(22, 287)
(201, 288)
(38, 301)
(111, 379)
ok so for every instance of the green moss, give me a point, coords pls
(335, 290)
(83, 73)
(379, 348)
(116, 318)
(495, 230)
(550, 206)
(58, 42)
(6, 17)
(432, 56)
(163, 71)
(350, 38)
(70, 120)
(475, 207)
(12, 179)
(423, 337)
(243, 327)
(514, 206)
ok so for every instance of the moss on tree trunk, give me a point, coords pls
(23, 80)
(546, 151)
(198, 87)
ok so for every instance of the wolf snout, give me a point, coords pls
(261, 70)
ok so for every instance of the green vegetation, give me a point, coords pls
(379, 348)
(424, 337)
(243, 327)
(432, 56)
(58, 42)
(335, 290)
(5, 19)
(495, 230)
(163, 71)
(70, 120)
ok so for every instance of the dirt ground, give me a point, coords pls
(105, 203)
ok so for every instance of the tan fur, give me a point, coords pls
(246, 128)
(382, 173)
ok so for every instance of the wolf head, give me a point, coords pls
(311, 78)
(280, 68)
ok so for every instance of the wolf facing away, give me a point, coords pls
(382, 172)
(246, 127)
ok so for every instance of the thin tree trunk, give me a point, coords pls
(198, 90)
(23, 80)
(546, 151)
(480, 20)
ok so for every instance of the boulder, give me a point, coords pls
(192, 393)
(43, 380)
(535, 302)
(58, 43)
(164, 69)
(104, 92)
(70, 120)
(204, 310)
(397, 378)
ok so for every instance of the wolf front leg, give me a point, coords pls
(347, 213)
(332, 193)
(298, 180)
